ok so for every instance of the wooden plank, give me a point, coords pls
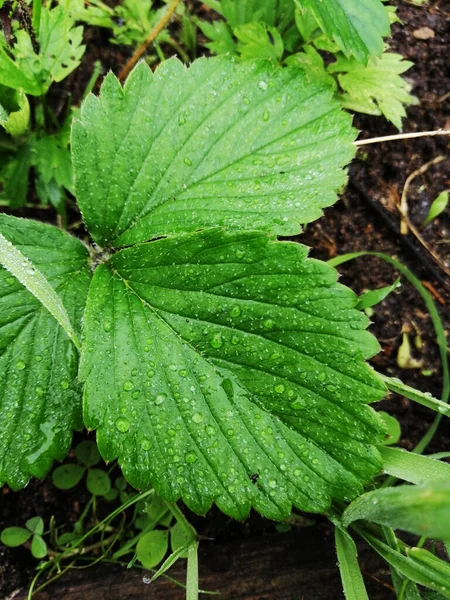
(291, 566)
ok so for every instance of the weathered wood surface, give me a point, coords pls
(300, 565)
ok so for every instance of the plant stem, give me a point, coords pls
(401, 136)
(437, 324)
(37, 9)
(395, 385)
(192, 572)
(93, 79)
(149, 39)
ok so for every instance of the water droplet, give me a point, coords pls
(190, 458)
(240, 254)
(263, 85)
(197, 418)
(10, 280)
(20, 365)
(122, 425)
(38, 358)
(160, 398)
(235, 311)
(297, 472)
(188, 161)
(246, 100)
(230, 432)
(183, 373)
(150, 374)
(272, 483)
(321, 377)
(128, 386)
(172, 432)
(266, 115)
(64, 385)
(269, 323)
(107, 325)
(146, 444)
(279, 388)
(210, 430)
(235, 340)
(216, 340)
(135, 394)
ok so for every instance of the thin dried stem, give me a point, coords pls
(401, 136)
(149, 39)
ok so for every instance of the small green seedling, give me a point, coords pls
(68, 475)
(437, 207)
(18, 536)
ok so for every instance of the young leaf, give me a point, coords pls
(372, 297)
(35, 525)
(152, 547)
(67, 476)
(213, 356)
(87, 453)
(98, 482)
(375, 89)
(15, 536)
(421, 510)
(60, 53)
(437, 207)
(352, 580)
(39, 391)
(257, 40)
(38, 547)
(357, 26)
(14, 176)
(179, 539)
(246, 145)
(394, 432)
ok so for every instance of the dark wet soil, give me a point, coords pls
(367, 218)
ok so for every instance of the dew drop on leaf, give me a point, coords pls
(216, 340)
(190, 457)
(128, 385)
(122, 425)
(160, 398)
(197, 418)
(279, 388)
(263, 85)
(20, 365)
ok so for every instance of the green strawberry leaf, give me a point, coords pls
(39, 392)
(377, 88)
(357, 26)
(213, 357)
(245, 145)
(60, 53)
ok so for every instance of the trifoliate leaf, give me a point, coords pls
(98, 482)
(38, 547)
(357, 26)
(375, 89)
(67, 476)
(213, 357)
(15, 536)
(39, 391)
(246, 145)
(87, 453)
(35, 525)
(152, 547)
